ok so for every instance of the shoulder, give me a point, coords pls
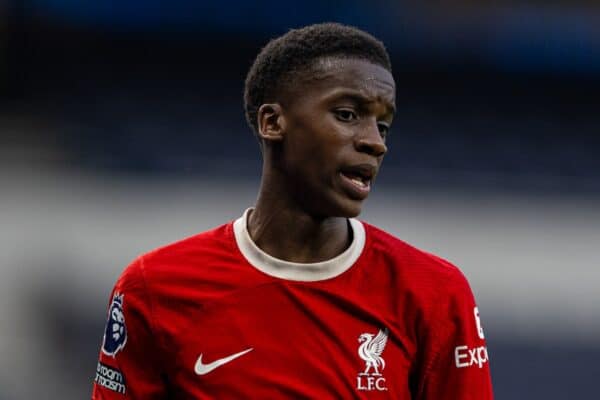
(407, 255)
(205, 243)
(182, 254)
(433, 289)
(427, 273)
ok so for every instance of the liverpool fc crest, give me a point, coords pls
(370, 351)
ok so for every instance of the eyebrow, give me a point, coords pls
(361, 99)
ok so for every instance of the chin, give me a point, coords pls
(353, 212)
(336, 205)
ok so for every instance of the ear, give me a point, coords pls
(271, 122)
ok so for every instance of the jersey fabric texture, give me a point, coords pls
(214, 317)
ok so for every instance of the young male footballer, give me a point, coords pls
(297, 299)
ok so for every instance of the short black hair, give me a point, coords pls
(296, 51)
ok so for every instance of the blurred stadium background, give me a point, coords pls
(122, 129)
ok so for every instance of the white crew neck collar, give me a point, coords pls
(307, 272)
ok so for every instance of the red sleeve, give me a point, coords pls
(129, 365)
(456, 358)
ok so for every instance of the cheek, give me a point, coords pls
(307, 140)
(314, 143)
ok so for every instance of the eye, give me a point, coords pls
(345, 115)
(384, 129)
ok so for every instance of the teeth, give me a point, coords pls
(359, 182)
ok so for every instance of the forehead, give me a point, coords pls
(332, 74)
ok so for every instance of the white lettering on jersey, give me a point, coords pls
(110, 378)
(478, 323)
(466, 357)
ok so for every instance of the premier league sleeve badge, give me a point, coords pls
(115, 334)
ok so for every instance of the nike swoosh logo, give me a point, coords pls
(202, 369)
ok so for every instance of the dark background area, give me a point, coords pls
(507, 91)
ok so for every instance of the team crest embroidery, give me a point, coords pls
(115, 335)
(370, 350)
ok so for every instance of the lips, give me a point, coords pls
(357, 179)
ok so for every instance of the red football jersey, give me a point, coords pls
(214, 317)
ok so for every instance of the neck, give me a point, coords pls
(280, 227)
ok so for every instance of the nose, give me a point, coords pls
(369, 141)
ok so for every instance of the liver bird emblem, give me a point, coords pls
(370, 351)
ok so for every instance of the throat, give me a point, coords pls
(299, 239)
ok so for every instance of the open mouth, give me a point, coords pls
(358, 179)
